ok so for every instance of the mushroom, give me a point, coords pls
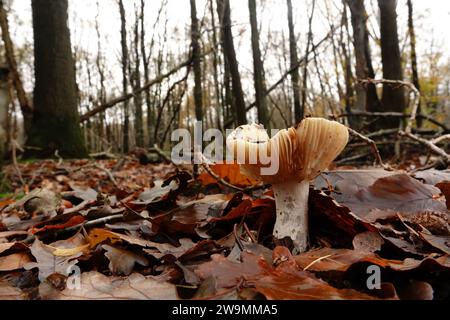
(289, 161)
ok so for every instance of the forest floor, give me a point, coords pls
(116, 229)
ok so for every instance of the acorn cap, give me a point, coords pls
(302, 152)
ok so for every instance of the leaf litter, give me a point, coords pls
(156, 232)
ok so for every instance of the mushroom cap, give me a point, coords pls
(301, 153)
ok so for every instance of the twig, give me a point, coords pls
(208, 169)
(430, 145)
(315, 261)
(374, 147)
(60, 159)
(250, 234)
(108, 173)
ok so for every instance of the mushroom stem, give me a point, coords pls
(291, 199)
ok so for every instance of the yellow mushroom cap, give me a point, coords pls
(302, 153)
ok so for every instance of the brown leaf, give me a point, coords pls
(445, 189)
(96, 286)
(433, 176)
(121, 262)
(394, 194)
(416, 290)
(228, 172)
(14, 261)
(8, 292)
(12, 245)
(328, 259)
(48, 263)
(440, 242)
(282, 282)
(355, 178)
(368, 241)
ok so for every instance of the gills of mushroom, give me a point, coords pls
(296, 156)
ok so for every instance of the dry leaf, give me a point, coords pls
(96, 286)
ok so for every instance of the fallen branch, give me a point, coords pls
(108, 173)
(441, 139)
(430, 145)
(412, 88)
(393, 114)
(131, 95)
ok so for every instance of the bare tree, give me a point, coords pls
(295, 77)
(196, 57)
(258, 67)
(414, 69)
(305, 66)
(123, 36)
(136, 80)
(366, 96)
(25, 105)
(393, 96)
(223, 7)
(56, 124)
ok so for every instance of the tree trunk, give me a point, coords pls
(393, 96)
(366, 96)
(223, 7)
(215, 66)
(56, 123)
(123, 37)
(258, 67)
(25, 106)
(295, 77)
(305, 66)
(196, 56)
(138, 119)
(414, 69)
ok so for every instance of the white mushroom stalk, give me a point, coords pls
(299, 155)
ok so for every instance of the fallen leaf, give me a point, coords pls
(433, 176)
(121, 262)
(96, 286)
(282, 282)
(445, 189)
(416, 290)
(394, 194)
(355, 178)
(228, 172)
(48, 263)
(14, 261)
(8, 292)
(368, 242)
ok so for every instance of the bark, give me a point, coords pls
(123, 39)
(295, 76)
(56, 123)
(414, 69)
(258, 67)
(393, 96)
(305, 66)
(25, 105)
(223, 7)
(196, 58)
(366, 96)
(215, 65)
(138, 119)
